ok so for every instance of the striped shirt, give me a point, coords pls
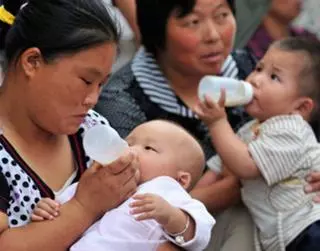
(285, 150)
(156, 86)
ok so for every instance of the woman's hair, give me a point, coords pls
(309, 82)
(56, 27)
(153, 15)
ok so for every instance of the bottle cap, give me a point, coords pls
(103, 144)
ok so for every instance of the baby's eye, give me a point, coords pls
(275, 77)
(258, 69)
(149, 148)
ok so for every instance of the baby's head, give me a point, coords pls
(287, 80)
(166, 149)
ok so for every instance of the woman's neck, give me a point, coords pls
(184, 86)
(276, 28)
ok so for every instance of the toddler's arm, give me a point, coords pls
(46, 209)
(232, 150)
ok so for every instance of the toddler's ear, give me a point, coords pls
(184, 178)
(304, 107)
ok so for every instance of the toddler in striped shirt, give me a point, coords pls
(273, 153)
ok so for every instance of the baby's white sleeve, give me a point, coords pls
(204, 221)
(120, 231)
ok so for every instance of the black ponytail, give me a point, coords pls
(55, 27)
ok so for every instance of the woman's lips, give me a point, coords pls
(210, 58)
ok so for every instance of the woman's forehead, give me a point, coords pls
(210, 5)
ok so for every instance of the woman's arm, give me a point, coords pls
(116, 182)
(168, 246)
(208, 178)
(56, 235)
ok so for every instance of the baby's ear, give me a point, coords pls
(184, 178)
(304, 107)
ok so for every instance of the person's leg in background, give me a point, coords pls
(233, 231)
(308, 240)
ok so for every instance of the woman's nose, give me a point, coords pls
(211, 33)
(92, 98)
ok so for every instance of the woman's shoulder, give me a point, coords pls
(121, 101)
(121, 79)
(19, 186)
(246, 62)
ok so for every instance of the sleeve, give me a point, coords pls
(117, 104)
(128, 234)
(178, 197)
(215, 164)
(277, 154)
(203, 224)
(4, 194)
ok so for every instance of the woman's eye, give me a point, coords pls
(192, 22)
(87, 82)
(222, 16)
(275, 77)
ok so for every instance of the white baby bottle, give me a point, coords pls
(103, 144)
(238, 92)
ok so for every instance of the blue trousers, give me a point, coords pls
(307, 240)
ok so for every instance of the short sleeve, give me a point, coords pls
(117, 102)
(4, 194)
(215, 164)
(277, 154)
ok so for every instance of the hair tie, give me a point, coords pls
(6, 16)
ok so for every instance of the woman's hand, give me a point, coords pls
(103, 188)
(313, 185)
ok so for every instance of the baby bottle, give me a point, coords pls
(103, 144)
(238, 92)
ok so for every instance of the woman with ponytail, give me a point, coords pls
(57, 54)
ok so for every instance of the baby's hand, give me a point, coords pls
(151, 206)
(211, 112)
(46, 209)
